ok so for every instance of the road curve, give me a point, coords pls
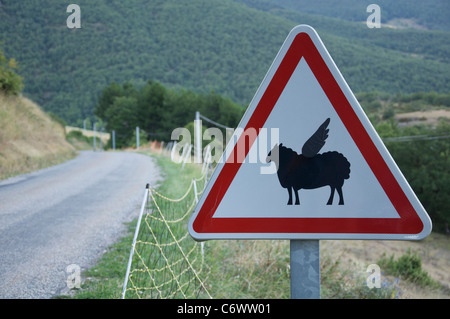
(66, 215)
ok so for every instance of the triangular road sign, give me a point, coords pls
(325, 174)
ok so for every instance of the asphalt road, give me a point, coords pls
(60, 218)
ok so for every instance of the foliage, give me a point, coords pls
(80, 141)
(408, 266)
(157, 110)
(10, 82)
(203, 45)
(424, 164)
(78, 137)
(122, 117)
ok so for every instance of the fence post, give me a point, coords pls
(198, 139)
(114, 140)
(172, 153)
(187, 156)
(202, 244)
(207, 158)
(136, 232)
(95, 138)
(137, 137)
(100, 139)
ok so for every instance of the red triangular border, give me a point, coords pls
(409, 221)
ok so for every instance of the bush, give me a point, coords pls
(409, 267)
(10, 82)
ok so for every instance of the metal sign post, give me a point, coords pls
(305, 269)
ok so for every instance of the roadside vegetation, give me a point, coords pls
(30, 139)
(409, 267)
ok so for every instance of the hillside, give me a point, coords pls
(29, 138)
(201, 45)
(431, 14)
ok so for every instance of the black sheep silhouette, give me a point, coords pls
(311, 170)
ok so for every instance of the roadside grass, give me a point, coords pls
(238, 268)
(409, 267)
(343, 282)
(30, 139)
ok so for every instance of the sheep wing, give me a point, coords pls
(313, 145)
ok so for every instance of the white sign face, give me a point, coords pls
(330, 174)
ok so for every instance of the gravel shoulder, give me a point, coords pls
(66, 215)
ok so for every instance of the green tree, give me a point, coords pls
(109, 94)
(425, 164)
(151, 110)
(122, 118)
(158, 110)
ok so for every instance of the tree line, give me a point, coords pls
(157, 110)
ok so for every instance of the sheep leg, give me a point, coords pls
(297, 200)
(330, 200)
(341, 197)
(289, 189)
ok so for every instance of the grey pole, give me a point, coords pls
(198, 139)
(136, 232)
(100, 139)
(137, 137)
(95, 142)
(114, 140)
(305, 269)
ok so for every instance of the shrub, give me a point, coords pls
(408, 266)
(10, 82)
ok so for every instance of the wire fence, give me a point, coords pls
(165, 262)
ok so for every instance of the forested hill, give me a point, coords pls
(430, 14)
(202, 45)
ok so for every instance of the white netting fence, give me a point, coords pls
(165, 262)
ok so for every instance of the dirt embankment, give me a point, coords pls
(29, 138)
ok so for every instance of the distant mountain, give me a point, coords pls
(201, 45)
